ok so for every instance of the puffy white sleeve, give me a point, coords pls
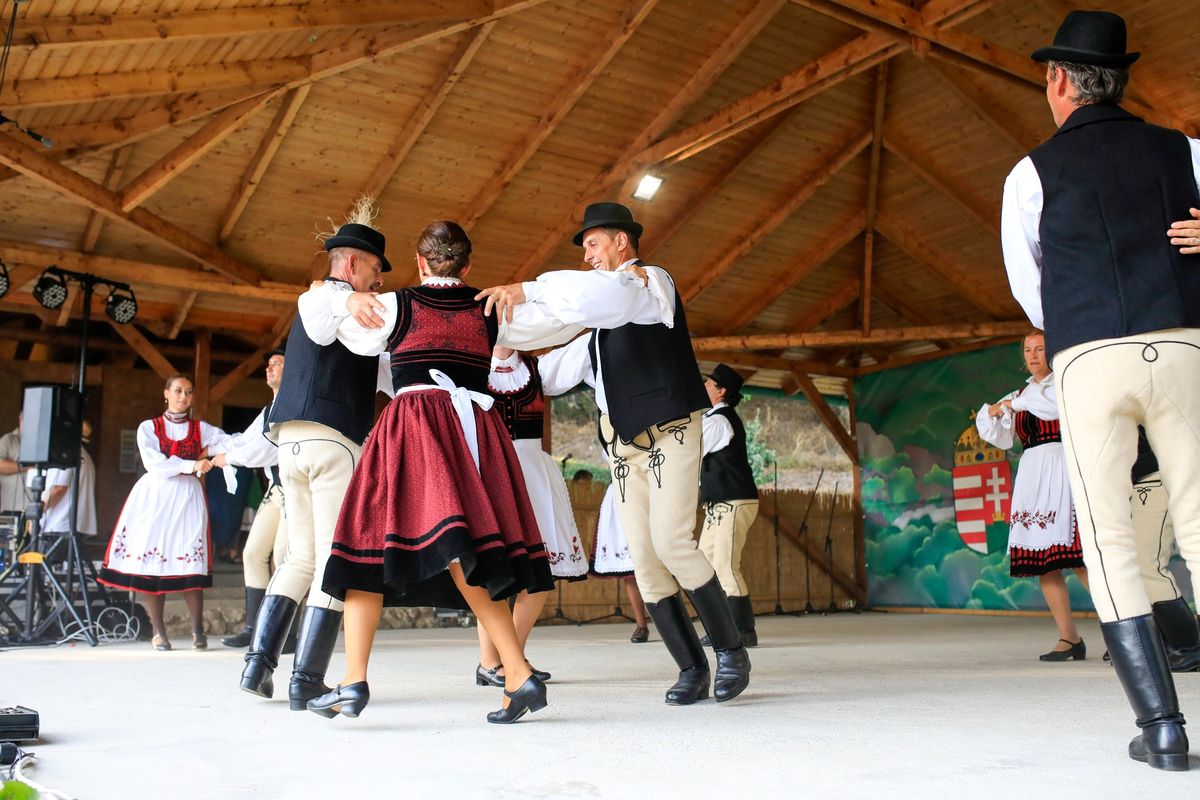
(715, 433)
(533, 327)
(250, 448)
(1020, 217)
(1038, 399)
(563, 369)
(996, 431)
(316, 311)
(369, 341)
(599, 299)
(156, 463)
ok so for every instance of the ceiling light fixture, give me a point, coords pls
(647, 187)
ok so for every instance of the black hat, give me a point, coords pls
(1089, 37)
(278, 351)
(607, 215)
(727, 378)
(360, 237)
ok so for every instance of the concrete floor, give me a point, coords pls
(846, 706)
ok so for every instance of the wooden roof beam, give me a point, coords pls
(984, 106)
(112, 179)
(185, 307)
(948, 13)
(964, 279)
(830, 419)
(697, 84)
(919, 163)
(71, 184)
(969, 347)
(838, 237)
(760, 362)
(579, 80)
(864, 310)
(839, 298)
(419, 120)
(191, 150)
(911, 314)
(56, 32)
(285, 115)
(142, 346)
(255, 359)
(771, 341)
(789, 202)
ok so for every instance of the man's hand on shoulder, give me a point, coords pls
(1185, 233)
(502, 298)
(366, 309)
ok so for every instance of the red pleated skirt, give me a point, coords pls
(416, 503)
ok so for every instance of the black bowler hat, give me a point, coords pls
(1089, 37)
(278, 351)
(727, 378)
(360, 237)
(608, 215)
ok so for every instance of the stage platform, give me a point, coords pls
(847, 706)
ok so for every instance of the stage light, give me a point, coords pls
(3, 279)
(51, 289)
(121, 306)
(647, 187)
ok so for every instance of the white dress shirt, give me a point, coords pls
(716, 432)
(1020, 220)
(57, 518)
(323, 314)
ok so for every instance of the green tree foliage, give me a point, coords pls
(762, 457)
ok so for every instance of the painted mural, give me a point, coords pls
(936, 497)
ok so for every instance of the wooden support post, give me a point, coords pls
(185, 306)
(881, 74)
(844, 439)
(860, 542)
(202, 375)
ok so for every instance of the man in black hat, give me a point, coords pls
(728, 495)
(321, 417)
(1082, 229)
(651, 399)
(268, 534)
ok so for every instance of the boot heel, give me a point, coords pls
(1175, 762)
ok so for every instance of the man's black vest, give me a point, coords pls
(1112, 185)
(326, 384)
(725, 474)
(650, 373)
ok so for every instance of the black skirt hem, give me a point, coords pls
(153, 584)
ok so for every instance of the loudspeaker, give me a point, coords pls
(51, 426)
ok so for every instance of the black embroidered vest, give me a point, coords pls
(725, 474)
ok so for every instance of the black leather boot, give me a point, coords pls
(314, 648)
(671, 619)
(1180, 634)
(274, 620)
(733, 662)
(242, 638)
(743, 616)
(1140, 661)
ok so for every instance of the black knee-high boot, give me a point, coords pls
(1180, 634)
(733, 662)
(242, 638)
(675, 627)
(1140, 661)
(314, 648)
(743, 616)
(274, 620)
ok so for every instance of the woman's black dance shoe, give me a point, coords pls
(540, 674)
(531, 696)
(349, 701)
(1077, 651)
(489, 677)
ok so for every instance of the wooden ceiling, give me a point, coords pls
(832, 168)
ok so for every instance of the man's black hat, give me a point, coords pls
(1089, 37)
(360, 237)
(727, 378)
(278, 351)
(608, 215)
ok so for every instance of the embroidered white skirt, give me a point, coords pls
(552, 508)
(610, 554)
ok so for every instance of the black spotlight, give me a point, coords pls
(3, 279)
(121, 306)
(51, 289)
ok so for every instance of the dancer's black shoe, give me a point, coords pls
(349, 701)
(270, 629)
(733, 662)
(530, 696)
(314, 647)
(242, 638)
(675, 627)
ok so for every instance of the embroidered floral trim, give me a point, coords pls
(1030, 519)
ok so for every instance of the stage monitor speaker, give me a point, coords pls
(51, 426)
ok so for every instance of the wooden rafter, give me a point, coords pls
(948, 13)
(697, 84)
(185, 308)
(68, 340)
(142, 346)
(926, 333)
(845, 294)
(50, 372)
(840, 235)
(964, 279)
(904, 361)
(427, 109)
(881, 76)
(35, 257)
(112, 179)
(795, 196)
(78, 30)
(919, 163)
(202, 372)
(55, 176)
(911, 313)
(248, 364)
(979, 101)
(830, 419)
(191, 150)
(64, 313)
(579, 80)
(759, 362)
(285, 115)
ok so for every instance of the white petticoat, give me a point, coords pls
(552, 508)
(611, 554)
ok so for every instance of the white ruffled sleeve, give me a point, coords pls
(156, 463)
(1038, 399)
(563, 369)
(996, 431)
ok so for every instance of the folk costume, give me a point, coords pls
(320, 417)
(729, 498)
(611, 557)
(1155, 545)
(160, 542)
(439, 479)
(1082, 227)
(651, 400)
(1042, 534)
(519, 388)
